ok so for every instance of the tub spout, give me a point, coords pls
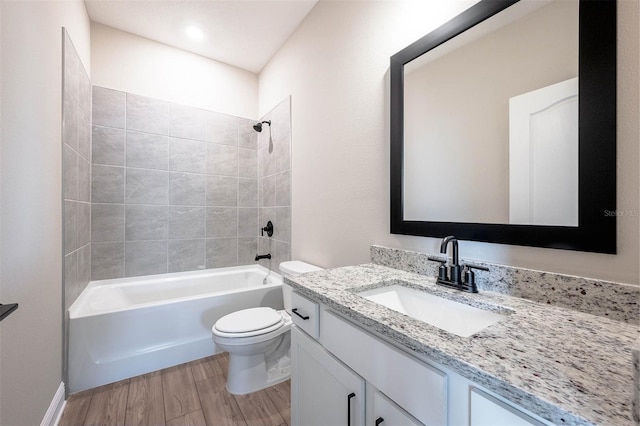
(263, 256)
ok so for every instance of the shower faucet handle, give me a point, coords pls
(268, 228)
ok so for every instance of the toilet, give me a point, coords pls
(258, 340)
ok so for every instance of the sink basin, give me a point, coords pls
(454, 317)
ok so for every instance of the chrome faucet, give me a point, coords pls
(452, 274)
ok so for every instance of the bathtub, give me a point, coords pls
(122, 328)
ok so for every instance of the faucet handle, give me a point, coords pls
(472, 266)
(442, 270)
(469, 278)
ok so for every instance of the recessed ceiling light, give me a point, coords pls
(194, 32)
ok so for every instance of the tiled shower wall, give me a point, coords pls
(76, 155)
(174, 188)
(274, 172)
(76, 172)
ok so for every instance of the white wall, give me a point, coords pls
(31, 183)
(335, 66)
(126, 62)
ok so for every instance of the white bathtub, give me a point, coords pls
(125, 327)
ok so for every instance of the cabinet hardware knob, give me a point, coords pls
(379, 420)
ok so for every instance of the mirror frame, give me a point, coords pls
(596, 230)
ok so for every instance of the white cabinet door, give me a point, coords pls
(386, 413)
(488, 411)
(323, 390)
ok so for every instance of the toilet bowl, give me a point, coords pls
(258, 340)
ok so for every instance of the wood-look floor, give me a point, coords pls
(189, 394)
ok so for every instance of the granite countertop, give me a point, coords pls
(568, 367)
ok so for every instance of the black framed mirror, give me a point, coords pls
(590, 224)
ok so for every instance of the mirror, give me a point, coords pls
(503, 126)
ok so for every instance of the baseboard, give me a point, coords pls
(53, 414)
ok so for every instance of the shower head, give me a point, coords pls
(258, 126)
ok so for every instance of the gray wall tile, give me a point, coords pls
(282, 149)
(70, 278)
(70, 170)
(146, 222)
(248, 192)
(145, 258)
(187, 155)
(267, 214)
(282, 224)
(147, 151)
(70, 117)
(107, 184)
(108, 146)
(186, 189)
(222, 222)
(84, 180)
(147, 187)
(221, 128)
(108, 107)
(222, 191)
(248, 222)
(222, 252)
(71, 67)
(283, 189)
(268, 191)
(84, 136)
(222, 160)
(186, 255)
(70, 226)
(247, 163)
(247, 250)
(186, 222)
(266, 161)
(186, 122)
(84, 267)
(161, 181)
(107, 260)
(247, 137)
(84, 95)
(281, 119)
(107, 222)
(84, 224)
(147, 114)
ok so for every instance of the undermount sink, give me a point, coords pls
(454, 317)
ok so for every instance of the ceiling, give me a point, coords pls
(242, 33)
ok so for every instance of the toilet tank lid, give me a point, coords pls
(294, 267)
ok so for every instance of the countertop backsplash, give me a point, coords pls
(620, 302)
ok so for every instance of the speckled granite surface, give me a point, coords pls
(616, 301)
(636, 382)
(569, 367)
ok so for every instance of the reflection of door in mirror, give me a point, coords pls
(543, 156)
(456, 110)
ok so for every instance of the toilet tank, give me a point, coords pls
(289, 269)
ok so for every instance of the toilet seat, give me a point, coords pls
(248, 323)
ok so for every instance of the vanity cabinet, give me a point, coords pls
(345, 375)
(324, 391)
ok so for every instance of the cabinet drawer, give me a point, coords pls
(305, 314)
(386, 413)
(418, 388)
(488, 411)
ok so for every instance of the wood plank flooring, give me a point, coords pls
(190, 394)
